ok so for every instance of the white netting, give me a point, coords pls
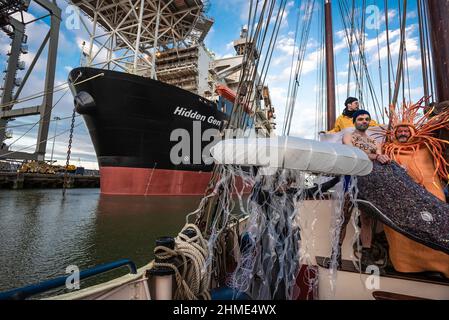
(270, 249)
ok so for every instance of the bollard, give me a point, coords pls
(163, 276)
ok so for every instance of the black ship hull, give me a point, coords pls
(148, 136)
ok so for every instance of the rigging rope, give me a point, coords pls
(423, 52)
(295, 81)
(38, 143)
(273, 40)
(399, 72)
(35, 96)
(291, 70)
(389, 62)
(267, 57)
(381, 85)
(44, 93)
(344, 12)
(249, 69)
(429, 61)
(258, 84)
(351, 48)
(256, 36)
(361, 41)
(404, 57)
(42, 116)
(40, 121)
(36, 123)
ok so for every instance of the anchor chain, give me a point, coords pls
(69, 151)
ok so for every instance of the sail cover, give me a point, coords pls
(293, 153)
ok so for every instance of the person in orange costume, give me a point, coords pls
(413, 145)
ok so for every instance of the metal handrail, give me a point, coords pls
(30, 290)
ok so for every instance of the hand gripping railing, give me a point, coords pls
(28, 291)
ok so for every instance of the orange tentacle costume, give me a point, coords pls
(423, 129)
(423, 158)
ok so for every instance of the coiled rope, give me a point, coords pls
(189, 258)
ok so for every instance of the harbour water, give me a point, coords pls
(42, 233)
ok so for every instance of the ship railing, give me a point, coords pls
(171, 57)
(182, 64)
(179, 65)
(34, 289)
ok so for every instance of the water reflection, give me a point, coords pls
(41, 234)
(129, 226)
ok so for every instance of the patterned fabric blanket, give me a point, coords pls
(393, 197)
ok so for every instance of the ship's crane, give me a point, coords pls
(13, 23)
(126, 35)
(9, 7)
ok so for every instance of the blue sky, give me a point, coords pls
(229, 17)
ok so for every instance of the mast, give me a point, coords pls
(330, 69)
(423, 51)
(439, 31)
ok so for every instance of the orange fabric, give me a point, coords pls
(419, 165)
(405, 254)
(423, 128)
(423, 158)
(410, 256)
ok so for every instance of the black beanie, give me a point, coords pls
(350, 100)
(359, 113)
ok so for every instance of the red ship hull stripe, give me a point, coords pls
(146, 181)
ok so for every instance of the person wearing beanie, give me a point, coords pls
(358, 113)
(361, 120)
(345, 119)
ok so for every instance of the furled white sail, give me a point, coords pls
(293, 153)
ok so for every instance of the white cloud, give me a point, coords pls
(287, 45)
(412, 14)
(392, 13)
(371, 44)
(412, 45)
(416, 93)
(280, 60)
(218, 56)
(276, 76)
(244, 9)
(414, 62)
(343, 74)
(311, 61)
(288, 8)
(342, 88)
(99, 54)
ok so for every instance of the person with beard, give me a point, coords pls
(417, 162)
(420, 153)
(345, 119)
(360, 139)
(413, 145)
